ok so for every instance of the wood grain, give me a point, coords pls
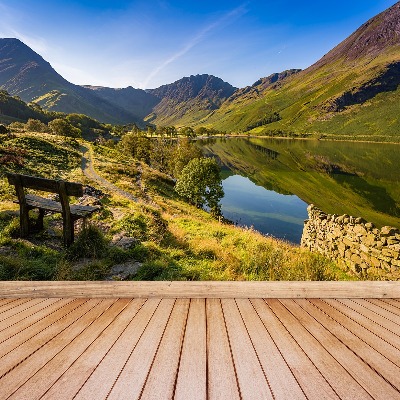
(202, 289)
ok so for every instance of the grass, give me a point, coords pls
(174, 241)
(303, 101)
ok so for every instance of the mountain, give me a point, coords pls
(26, 74)
(189, 99)
(354, 89)
(135, 101)
(14, 109)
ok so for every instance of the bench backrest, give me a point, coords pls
(47, 185)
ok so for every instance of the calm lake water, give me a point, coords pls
(247, 204)
(268, 183)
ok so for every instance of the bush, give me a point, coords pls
(90, 243)
(63, 128)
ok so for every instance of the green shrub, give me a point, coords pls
(90, 243)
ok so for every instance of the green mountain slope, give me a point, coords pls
(352, 90)
(189, 99)
(26, 74)
(14, 109)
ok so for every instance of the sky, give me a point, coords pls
(148, 43)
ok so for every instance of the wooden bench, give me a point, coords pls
(27, 202)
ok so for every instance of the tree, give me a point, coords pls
(34, 125)
(62, 127)
(200, 184)
(187, 131)
(183, 153)
(138, 147)
(201, 131)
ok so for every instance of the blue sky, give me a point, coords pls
(147, 43)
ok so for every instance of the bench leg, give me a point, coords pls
(24, 220)
(39, 223)
(68, 233)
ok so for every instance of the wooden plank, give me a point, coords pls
(74, 378)
(44, 184)
(394, 303)
(36, 306)
(336, 376)
(282, 382)
(367, 329)
(360, 360)
(24, 371)
(4, 302)
(395, 309)
(44, 378)
(44, 328)
(130, 382)
(162, 377)
(11, 303)
(253, 383)
(312, 382)
(382, 320)
(103, 377)
(12, 307)
(13, 354)
(192, 374)
(382, 312)
(202, 289)
(222, 382)
(17, 310)
(27, 323)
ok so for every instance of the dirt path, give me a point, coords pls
(89, 172)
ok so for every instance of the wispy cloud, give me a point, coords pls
(34, 42)
(10, 19)
(226, 19)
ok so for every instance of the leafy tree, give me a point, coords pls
(34, 125)
(17, 126)
(184, 152)
(200, 184)
(201, 131)
(62, 127)
(187, 131)
(171, 131)
(137, 146)
(161, 154)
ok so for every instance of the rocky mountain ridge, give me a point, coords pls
(353, 88)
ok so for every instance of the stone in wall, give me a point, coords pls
(354, 243)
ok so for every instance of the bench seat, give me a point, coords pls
(77, 210)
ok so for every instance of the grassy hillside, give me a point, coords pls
(353, 90)
(172, 239)
(305, 103)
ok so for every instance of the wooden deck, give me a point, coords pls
(199, 340)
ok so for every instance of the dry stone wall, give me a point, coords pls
(355, 244)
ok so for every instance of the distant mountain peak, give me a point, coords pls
(371, 39)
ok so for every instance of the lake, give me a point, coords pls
(268, 183)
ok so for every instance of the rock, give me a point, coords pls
(93, 192)
(87, 200)
(123, 271)
(124, 242)
(388, 231)
(353, 243)
(6, 250)
(369, 226)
